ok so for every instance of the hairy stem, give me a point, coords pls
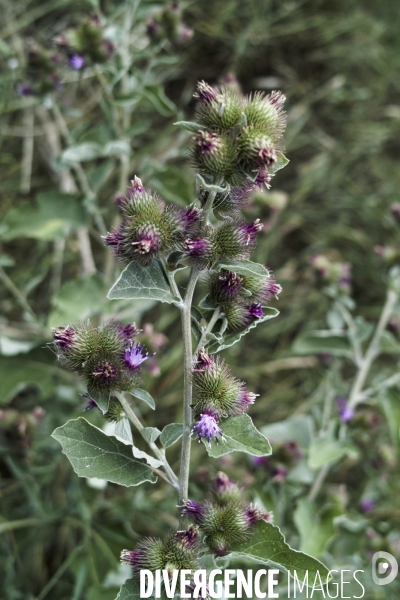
(187, 369)
(130, 413)
(210, 325)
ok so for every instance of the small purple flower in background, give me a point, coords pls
(248, 398)
(207, 427)
(280, 474)
(367, 505)
(137, 185)
(63, 337)
(76, 62)
(23, 89)
(346, 413)
(135, 355)
(192, 508)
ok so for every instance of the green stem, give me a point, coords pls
(215, 316)
(16, 293)
(171, 477)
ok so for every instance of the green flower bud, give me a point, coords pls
(214, 154)
(256, 149)
(265, 113)
(219, 110)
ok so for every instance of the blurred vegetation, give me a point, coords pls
(63, 161)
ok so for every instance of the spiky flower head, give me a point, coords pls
(240, 316)
(227, 287)
(256, 150)
(224, 525)
(105, 357)
(176, 552)
(265, 113)
(220, 109)
(218, 393)
(213, 154)
(230, 203)
(115, 411)
(149, 228)
(87, 41)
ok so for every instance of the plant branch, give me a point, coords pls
(130, 413)
(23, 302)
(210, 325)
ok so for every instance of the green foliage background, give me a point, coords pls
(338, 64)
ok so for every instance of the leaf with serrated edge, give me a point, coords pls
(242, 267)
(92, 453)
(137, 282)
(123, 431)
(150, 434)
(233, 338)
(153, 462)
(267, 546)
(145, 396)
(171, 434)
(240, 436)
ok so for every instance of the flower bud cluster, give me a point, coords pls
(241, 297)
(226, 521)
(233, 239)
(86, 43)
(239, 137)
(167, 24)
(106, 358)
(218, 394)
(41, 76)
(150, 228)
(178, 551)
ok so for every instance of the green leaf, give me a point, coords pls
(153, 462)
(55, 215)
(233, 338)
(207, 304)
(123, 431)
(280, 163)
(138, 282)
(267, 546)
(325, 449)
(240, 436)
(156, 95)
(102, 399)
(150, 434)
(130, 590)
(315, 342)
(171, 434)
(316, 528)
(145, 396)
(66, 309)
(242, 267)
(36, 368)
(81, 152)
(190, 126)
(92, 453)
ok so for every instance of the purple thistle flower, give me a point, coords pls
(280, 473)
(206, 142)
(255, 311)
(106, 372)
(137, 185)
(188, 537)
(249, 231)
(266, 157)
(190, 216)
(63, 337)
(135, 355)
(254, 514)
(263, 178)
(367, 505)
(193, 508)
(247, 399)
(205, 93)
(150, 240)
(229, 284)
(132, 557)
(277, 99)
(346, 413)
(113, 239)
(76, 62)
(197, 247)
(207, 427)
(203, 362)
(128, 331)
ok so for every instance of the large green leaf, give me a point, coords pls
(145, 397)
(233, 338)
(34, 369)
(267, 546)
(325, 449)
(242, 267)
(314, 342)
(77, 300)
(92, 453)
(240, 436)
(139, 282)
(316, 528)
(55, 215)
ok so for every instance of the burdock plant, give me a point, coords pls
(237, 145)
